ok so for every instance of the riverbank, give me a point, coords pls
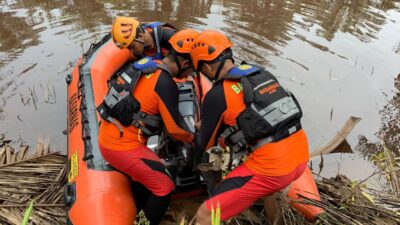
(40, 175)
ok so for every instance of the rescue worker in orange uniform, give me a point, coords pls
(142, 40)
(143, 98)
(255, 115)
(180, 53)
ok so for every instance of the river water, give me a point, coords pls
(341, 58)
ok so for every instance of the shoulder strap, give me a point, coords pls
(151, 25)
(253, 83)
(157, 35)
(146, 65)
(241, 71)
(131, 76)
(165, 68)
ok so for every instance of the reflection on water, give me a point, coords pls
(255, 24)
(389, 133)
(266, 24)
(379, 153)
(339, 57)
(390, 130)
(23, 21)
(269, 24)
(16, 34)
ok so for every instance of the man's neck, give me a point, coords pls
(186, 73)
(148, 39)
(228, 66)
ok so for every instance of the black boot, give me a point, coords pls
(156, 207)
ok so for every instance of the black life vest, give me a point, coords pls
(272, 113)
(120, 104)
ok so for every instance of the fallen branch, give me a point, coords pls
(338, 143)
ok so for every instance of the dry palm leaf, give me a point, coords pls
(40, 177)
(24, 177)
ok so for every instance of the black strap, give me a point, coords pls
(287, 131)
(132, 74)
(121, 131)
(177, 63)
(235, 137)
(103, 111)
(146, 131)
(238, 140)
(229, 131)
(165, 68)
(221, 65)
(151, 120)
(158, 35)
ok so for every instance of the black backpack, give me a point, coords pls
(271, 110)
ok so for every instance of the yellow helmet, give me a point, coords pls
(123, 31)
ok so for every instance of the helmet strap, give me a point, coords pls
(180, 68)
(225, 56)
(177, 64)
(218, 73)
(141, 42)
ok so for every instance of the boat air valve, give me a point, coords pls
(68, 79)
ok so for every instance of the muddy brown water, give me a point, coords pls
(340, 58)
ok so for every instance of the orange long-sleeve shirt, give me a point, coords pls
(222, 105)
(157, 94)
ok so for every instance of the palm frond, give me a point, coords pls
(26, 176)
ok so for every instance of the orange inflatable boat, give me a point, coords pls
(95, 193)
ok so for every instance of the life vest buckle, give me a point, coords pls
(229, 132)
(142, 114)
(136, 124)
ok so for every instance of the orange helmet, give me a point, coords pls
(208, 46)
(123, 31)
(182, 41)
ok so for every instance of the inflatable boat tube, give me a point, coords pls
(95, 193)
(305, 186)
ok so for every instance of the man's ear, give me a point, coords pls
(141, 35)
(186, 63)
(208, 66)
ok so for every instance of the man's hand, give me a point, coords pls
(197, 125)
